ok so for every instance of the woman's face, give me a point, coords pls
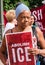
(32, 20)
(24, 19)
(14, 21)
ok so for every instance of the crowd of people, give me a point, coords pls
(21, 20)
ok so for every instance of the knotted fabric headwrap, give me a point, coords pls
(20, 9)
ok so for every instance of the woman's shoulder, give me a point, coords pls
(39, 30)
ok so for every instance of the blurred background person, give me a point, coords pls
(12, 22)
(11, 18)
(39, 51)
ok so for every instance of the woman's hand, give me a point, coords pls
(34, 51)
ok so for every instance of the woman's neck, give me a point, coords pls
(19, 29)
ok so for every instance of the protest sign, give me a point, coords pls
(17, 47)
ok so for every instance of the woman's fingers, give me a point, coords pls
(33, 51)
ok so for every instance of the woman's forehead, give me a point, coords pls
(25, 12)
(32, 17)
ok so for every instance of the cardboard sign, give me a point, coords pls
(17, 47)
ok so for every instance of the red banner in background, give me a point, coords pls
(39, 14)
(18, 45)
